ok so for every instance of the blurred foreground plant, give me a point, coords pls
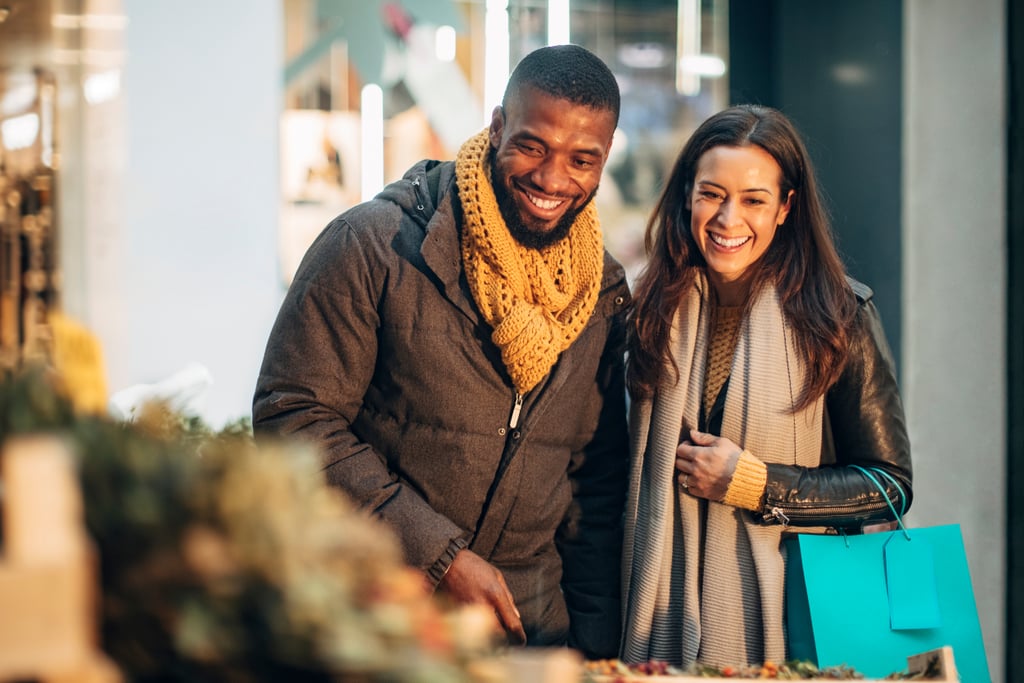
(224, 561)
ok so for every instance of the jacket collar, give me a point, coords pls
(441, 250)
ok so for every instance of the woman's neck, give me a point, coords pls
(730, 292)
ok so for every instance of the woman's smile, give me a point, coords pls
(728, 243)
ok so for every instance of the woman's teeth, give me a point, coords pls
(728, 243)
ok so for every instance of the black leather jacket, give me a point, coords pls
(864, 425)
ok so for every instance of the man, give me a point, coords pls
(455, 349)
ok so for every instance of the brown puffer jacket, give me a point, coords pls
(380, 357)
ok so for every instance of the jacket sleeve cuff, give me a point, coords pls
(443, 563)
(748, 483)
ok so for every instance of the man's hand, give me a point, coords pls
(472, 579)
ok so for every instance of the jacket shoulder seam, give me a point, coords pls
(861, 290)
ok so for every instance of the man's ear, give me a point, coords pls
(497, 126)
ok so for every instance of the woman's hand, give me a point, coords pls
(706, 464)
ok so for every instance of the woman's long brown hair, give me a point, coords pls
(802, 261)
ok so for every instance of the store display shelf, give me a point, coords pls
(936, 665)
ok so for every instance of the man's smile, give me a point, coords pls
(545, 204)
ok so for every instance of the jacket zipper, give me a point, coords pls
(517, 408)
(786, 515)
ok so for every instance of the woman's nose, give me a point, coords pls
(728, 213)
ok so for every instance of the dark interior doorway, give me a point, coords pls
(836, 69)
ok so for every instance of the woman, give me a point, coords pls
(759, 372)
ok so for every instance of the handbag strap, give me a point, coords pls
(897, 485)
(885, 494)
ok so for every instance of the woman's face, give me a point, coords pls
(736, 207)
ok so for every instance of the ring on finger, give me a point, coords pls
(686, 481)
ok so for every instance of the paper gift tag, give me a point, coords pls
(910, 583)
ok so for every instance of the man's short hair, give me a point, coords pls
(567, 72)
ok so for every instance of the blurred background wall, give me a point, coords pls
(198, 256)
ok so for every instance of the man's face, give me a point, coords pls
(548, 154)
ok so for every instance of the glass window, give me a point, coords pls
(438, 78)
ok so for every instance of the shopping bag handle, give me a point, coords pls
(885, 494)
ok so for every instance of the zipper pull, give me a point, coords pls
(779, 515)
(516, 409)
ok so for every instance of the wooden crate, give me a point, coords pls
(48, 586)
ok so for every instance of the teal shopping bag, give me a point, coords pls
(871, 601)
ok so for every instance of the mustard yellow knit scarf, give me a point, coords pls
(536, 301)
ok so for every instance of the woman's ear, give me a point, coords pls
(784, 209)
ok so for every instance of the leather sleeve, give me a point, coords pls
(864, 425)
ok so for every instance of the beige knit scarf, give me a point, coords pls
(536, 300)
(704, 581)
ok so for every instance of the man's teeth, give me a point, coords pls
(728, 243)
(546, 204)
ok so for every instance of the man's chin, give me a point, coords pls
(540, 237)
(530, 223)
(538, 229)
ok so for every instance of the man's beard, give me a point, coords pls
(513, 221)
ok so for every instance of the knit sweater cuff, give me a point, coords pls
(748, 483)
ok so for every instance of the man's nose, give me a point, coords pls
(550, 177)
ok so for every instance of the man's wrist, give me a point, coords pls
(440, 567)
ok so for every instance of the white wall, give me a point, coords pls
(955, 283)
(197, 267)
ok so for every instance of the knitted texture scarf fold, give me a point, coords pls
(537, 301)
(704, 581)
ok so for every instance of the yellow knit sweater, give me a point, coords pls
(751, 475)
